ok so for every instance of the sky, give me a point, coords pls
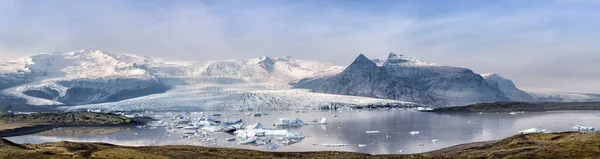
(550, 44)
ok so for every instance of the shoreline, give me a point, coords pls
(516, 106)
(551, 145)
(32, 129)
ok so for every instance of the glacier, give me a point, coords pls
(97, 79)
(85, 79)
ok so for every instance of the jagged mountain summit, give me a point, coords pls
(94, 78)
(408, 79)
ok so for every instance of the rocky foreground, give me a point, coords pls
(555, 145)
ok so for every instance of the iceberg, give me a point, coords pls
(255, 126)
(334, 145)
(533, 130)
(294, 135)
(289, 122)
(244, 134)
(274, 132)
(190, 127)
(583, 128)
(248, 141)
(414, 132)
(372, 132)
(212, 128)
(361, 145)
(323, 121)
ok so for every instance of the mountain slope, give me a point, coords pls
(507, 87)
(407, 79)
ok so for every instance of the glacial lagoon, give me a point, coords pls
(365, 131)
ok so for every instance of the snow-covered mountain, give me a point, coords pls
(507, 87)
(407, 79)
(93, 78)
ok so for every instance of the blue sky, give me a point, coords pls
(538, 43)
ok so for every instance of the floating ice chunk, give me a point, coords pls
(361, 145)
(515, 113)
(229, 123)
(400, 151)
(262, 141)
(322, 121)
(421, 144)
(244, 134)
(334, 145)
(212, 128)
(294, 135)
(372, 132)
(248, 141)
(583, 128)
(533, 130)
(434, 140)
(414, 132)
(190, 127)
(335, 116)
(135, 134)
(289, 122)
(255, 126)
(283, 132)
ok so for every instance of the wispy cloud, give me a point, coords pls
(538, 43)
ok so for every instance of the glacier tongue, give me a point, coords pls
(237, 97)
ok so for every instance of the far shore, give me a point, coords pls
(516, 106)
(17, 125)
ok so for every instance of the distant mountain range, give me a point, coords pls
(97, 79)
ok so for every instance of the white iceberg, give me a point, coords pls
(283, 132)
(361, 145)
(244, 134)
(294, 135)
(212, 128)
(334, 145)
(372, 132)
(255, 126)
(414, 132)
(583, 128)
(323, 121)
(190, 127)
(248, 141)
(533, 130)
(289, 122)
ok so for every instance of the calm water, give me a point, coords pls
(348, 128)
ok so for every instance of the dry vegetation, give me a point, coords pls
(556, 145)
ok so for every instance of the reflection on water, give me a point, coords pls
(436, 130)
